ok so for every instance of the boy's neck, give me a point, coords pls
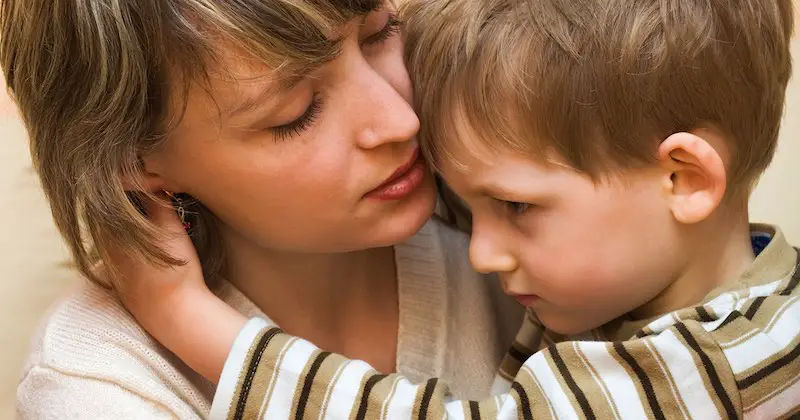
(340, 302)
(719, 250)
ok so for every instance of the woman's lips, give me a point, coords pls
(403, 181)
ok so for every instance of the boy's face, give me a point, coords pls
(579, 253)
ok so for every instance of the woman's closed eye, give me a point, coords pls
(392, 27)
(306, 120)
(301, 123)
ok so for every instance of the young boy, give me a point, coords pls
(606, 150)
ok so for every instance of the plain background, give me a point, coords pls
(33, 260)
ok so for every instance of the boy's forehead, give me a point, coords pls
(465, 149)
(468, 151)
(473, 162)
(481, 170)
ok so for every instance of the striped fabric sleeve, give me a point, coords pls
(234, 365)
(713, 363)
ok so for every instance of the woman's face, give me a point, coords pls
(310, 166)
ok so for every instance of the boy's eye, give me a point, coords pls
(516, 207)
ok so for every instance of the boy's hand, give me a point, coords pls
(148, 290)
(174, 304)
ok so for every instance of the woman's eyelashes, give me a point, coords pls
(303, 122)
(392, 27)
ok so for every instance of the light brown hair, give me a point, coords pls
(99, 83)
(601, 82)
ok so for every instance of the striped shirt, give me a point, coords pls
(736, 355)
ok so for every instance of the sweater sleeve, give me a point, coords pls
(45, 393)
(235, 366)
(743, 362)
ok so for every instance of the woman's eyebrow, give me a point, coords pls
(276, 87)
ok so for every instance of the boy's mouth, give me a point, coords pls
(525, 300)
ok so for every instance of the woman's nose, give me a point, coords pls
(383, 113)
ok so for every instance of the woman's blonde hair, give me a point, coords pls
(97, 81)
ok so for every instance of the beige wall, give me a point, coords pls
(777, 197)
(31, 253)
(32, 256)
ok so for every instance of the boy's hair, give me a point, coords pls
(601, 82)
(97, 81)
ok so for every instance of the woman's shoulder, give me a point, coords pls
(89, 319)
(440, 244)
(457, 307)
(464, 281)
(447, 245)
(89, 346)
(442, 239)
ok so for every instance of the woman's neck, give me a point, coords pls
(345, 302)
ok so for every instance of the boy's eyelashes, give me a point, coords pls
(516, 207)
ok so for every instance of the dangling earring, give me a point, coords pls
(178, 203)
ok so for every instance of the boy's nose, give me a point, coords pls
(489, 257)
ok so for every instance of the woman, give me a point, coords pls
(284, 130)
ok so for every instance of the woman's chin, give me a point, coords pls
(398, 222)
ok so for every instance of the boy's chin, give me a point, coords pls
(569, 326)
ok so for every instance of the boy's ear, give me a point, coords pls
(694, 176)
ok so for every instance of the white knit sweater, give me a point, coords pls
(91, 360)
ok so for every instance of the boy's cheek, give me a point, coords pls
(568, 278)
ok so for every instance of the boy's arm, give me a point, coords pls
(195, 325)
(722, 363)
(682, 372)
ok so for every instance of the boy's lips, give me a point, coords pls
(525, 300)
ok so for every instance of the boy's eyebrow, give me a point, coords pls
(494, 189)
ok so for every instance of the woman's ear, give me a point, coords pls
(695, 177)
(147, 180)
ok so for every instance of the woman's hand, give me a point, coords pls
(173, 303)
